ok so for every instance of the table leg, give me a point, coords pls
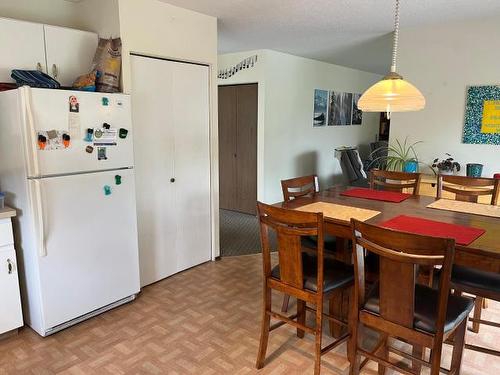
(337, 303)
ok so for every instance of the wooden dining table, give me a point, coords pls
(482, 254)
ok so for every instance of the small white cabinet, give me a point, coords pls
(11, 316)
(61, 52)
(22, 46)
(69, 53)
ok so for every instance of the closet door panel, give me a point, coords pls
(191, 164)
(153, 101)
(227, 147)
(246, 144)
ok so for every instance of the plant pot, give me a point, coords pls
(474, 170)
(410, 166)
(445, 172)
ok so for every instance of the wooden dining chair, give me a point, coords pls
(469, 189)
(305, 186)
(399, 308)
(299, 187)
(309, 278)
(395, 181)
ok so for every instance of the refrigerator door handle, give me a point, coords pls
(30, 130)
(42, 251)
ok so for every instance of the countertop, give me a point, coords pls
(7, 212)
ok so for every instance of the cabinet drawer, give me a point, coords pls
(10, 308)
(6, 235)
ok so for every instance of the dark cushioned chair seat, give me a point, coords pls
(336, 274)
(465, 278)
(311, 242)
(426, 301)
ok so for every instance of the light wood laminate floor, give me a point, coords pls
(202, 321)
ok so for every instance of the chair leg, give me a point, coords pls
(478, 307)
(319, 330)
(264, 330)
(352, 351)
(485, 303)
(353, 328)
(418, 352)
(301, 317)
(458, 347)
(335, 309)
(436, 357)
(286, 301)
(384, 353)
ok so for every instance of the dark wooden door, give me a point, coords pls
(238, 147)
(227, 147)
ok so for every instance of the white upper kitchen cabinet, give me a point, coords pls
(22, 46)
(69, 53)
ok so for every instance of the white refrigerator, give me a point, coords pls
(66, 165)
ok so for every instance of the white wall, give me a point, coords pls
(52, 12)
(289, 146)
(99, 16)
(154, 28)
(442, 61)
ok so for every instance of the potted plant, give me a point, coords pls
(446, 166)
(398, 157)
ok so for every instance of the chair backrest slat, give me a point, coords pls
(468, 189)
(400, 254)
(404, 180)
(289, 226)
(290, 259)
(299, 187)
(397, 299)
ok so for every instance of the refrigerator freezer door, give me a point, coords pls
(90, 239)
(51, 112)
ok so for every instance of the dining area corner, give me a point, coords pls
(407, 275)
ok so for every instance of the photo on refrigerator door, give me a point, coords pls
(340, 108)
(320, 107)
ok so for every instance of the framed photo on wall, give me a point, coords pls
(482, 115)
(320, 112)
(357, 114)
(340, 108)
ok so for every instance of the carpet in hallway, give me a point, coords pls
(239, 233)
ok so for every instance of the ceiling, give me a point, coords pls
(353, 33)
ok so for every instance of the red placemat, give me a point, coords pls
(462, 235)
(378, 195)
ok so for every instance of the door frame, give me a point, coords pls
(213, 139)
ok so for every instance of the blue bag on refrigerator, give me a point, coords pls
(34, 78)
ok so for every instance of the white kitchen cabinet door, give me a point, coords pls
(11, 316)
(22, 46)
(69, 53)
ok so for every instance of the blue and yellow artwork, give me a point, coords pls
(482, 115)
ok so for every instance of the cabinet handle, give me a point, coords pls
(54, 70)
(39, 67)
(10, 266)
(172, 180)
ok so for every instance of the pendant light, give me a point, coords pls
(392, 93)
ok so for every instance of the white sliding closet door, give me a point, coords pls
(170, 109)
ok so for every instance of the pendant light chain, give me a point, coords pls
(396, 39)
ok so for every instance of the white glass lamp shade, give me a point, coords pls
(392, 94)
